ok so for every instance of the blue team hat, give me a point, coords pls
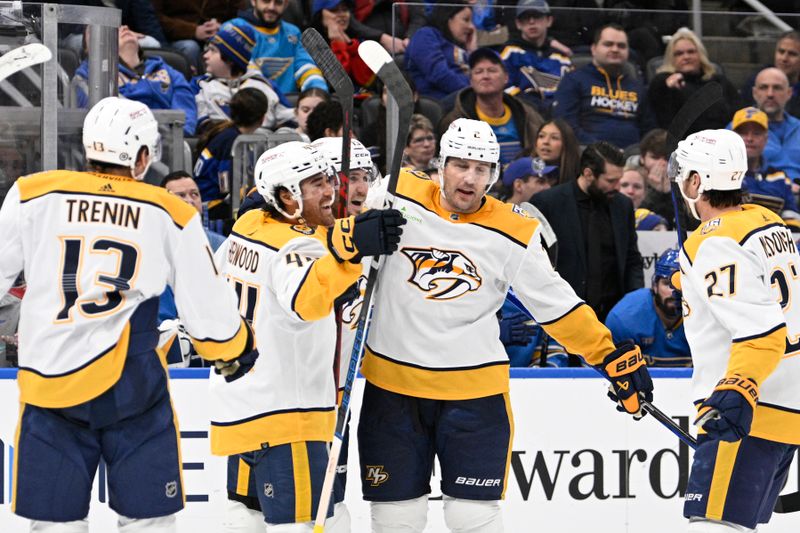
(485, 53)
(319, 5)
(524, 167)
(539, 7)
(235, 40)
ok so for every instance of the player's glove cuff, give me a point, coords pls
(744, 386)
(340, 240)
(728, 413)
(233, 370)
(630, 380)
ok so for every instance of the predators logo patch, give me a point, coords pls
(444, 274)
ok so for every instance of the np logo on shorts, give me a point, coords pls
(376, 476)
(443, 274)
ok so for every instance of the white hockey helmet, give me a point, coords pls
(719, 157)
(470, 139)
(287, 165)
(360, 158)
(115, 129)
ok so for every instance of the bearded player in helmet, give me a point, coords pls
(289, 262)
(651, 317)
(97, 249)
(739, 275)
(437, 373)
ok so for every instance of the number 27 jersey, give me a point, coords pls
(740, 277)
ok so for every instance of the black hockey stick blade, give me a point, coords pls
(788, 503)
(382, 64)
(696, 105)
(342, 85)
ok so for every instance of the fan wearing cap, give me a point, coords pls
(766, 185)
(534, 49)
(226, 57)
(738, 276)
(514, 123)
(525, 177)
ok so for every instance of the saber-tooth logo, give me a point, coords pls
(444, 274)
(376, 475)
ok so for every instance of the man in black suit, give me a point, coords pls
(597, 250)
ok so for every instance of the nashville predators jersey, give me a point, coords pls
(287, 282)
(740, 277)
(435, 332)
(94, 248)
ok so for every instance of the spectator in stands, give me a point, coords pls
(556, 145)
(401, 20)
(188, 24)
(599, 100)
(141, 17)
(535, 61)
(279, 53)
(177, 344)
(598, 253)
(332, 19)
(767, 186)
(436, 57)
(634, 185)
(326, 120)
(653, 160)
(514, 122)
(212, 172)
(150, 81)
(652, 318)
(226, 57)
(306, 103)
(420, 147)
(526, 176)
(686, 69)
(787, 59)
(771, 93)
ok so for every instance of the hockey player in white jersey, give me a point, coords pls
(289, 267)
(97, 249)
(437, 373)
(740, 276)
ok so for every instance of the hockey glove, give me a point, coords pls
(728, 413)
(630, 380)
(515, 330)
(374, 232)
(236, 368)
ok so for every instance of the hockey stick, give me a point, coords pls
(23, 57)
(381, 63)
(696, 105)
(337, 77)
(659, 415)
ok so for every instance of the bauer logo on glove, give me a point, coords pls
(630, 380)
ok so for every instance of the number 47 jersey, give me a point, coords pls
(97, 251)
(740, 277)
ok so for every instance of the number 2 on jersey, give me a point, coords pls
(71, 262)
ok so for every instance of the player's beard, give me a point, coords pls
(670, 307)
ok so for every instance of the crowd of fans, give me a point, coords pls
(580, 115)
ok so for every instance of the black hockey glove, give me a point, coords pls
(374, 232)
(728, 413)
(515, 329)
(630, 380)
(236, 368)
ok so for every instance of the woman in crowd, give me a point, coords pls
(557, 145)
(436, 57)
(686, 70)
(633, 185)
(420, 144)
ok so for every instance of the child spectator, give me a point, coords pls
(306, 103)
(213, 168)
(436, 57)
(326, 120)
(150, 81)
(226, 57)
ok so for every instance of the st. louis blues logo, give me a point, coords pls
(444, 274)
(352, 308)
